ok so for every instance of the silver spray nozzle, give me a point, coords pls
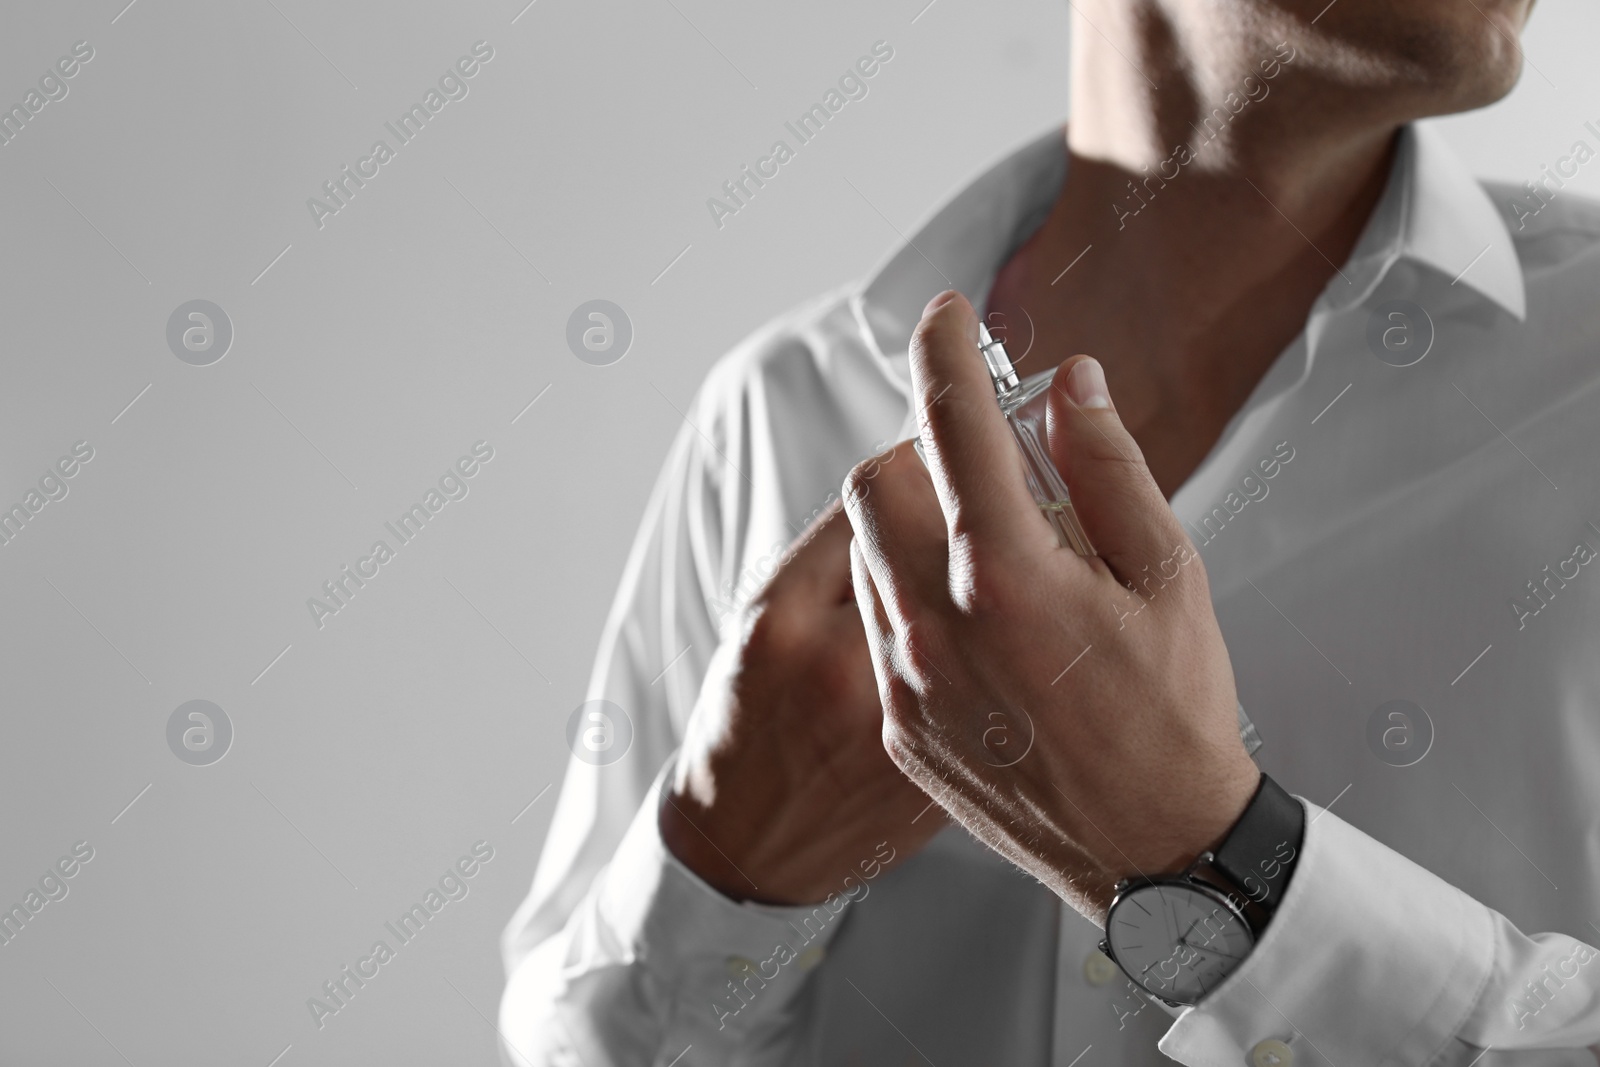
(1003, 374)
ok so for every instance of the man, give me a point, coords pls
(1334, 452)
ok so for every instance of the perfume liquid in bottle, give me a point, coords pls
(1022, 401)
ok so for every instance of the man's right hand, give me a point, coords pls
(782, 788)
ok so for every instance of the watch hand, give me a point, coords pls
(1157, 963)
(1169, 958)
(1211, 951)
(1168, 916)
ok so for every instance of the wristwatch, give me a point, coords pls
(1177, 936)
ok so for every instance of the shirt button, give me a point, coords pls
(1098, 968)
(738, 966)
(1271, 1053)
(809, 957)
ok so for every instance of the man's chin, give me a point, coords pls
(1490, 81)
(1485, 61)
(1436, 61)
(1468, 79)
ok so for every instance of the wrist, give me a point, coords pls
(733, 851)
(684, 827)
(1179, 936)
(1175, 835)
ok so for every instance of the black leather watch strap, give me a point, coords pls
(1260, 852)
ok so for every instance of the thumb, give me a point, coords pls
(1122, 509)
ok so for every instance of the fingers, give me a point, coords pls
(972, 455)
(1122, 509)
(879, 631)
(899, 531)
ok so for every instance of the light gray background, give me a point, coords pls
(375, 351)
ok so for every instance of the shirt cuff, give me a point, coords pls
(1369, 959)
(732, 966)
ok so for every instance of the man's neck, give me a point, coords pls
(1198, 265)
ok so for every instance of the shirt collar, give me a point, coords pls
(1433, 212)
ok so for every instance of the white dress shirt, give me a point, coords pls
(1426, 535)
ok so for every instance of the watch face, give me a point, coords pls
(1177, 940)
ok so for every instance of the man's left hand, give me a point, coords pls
(1076, 714)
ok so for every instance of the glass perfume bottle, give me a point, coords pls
(1023, 403)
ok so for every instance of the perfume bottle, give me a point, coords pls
(1022, 401)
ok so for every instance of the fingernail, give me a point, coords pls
(938, 302)
(1086, 384)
